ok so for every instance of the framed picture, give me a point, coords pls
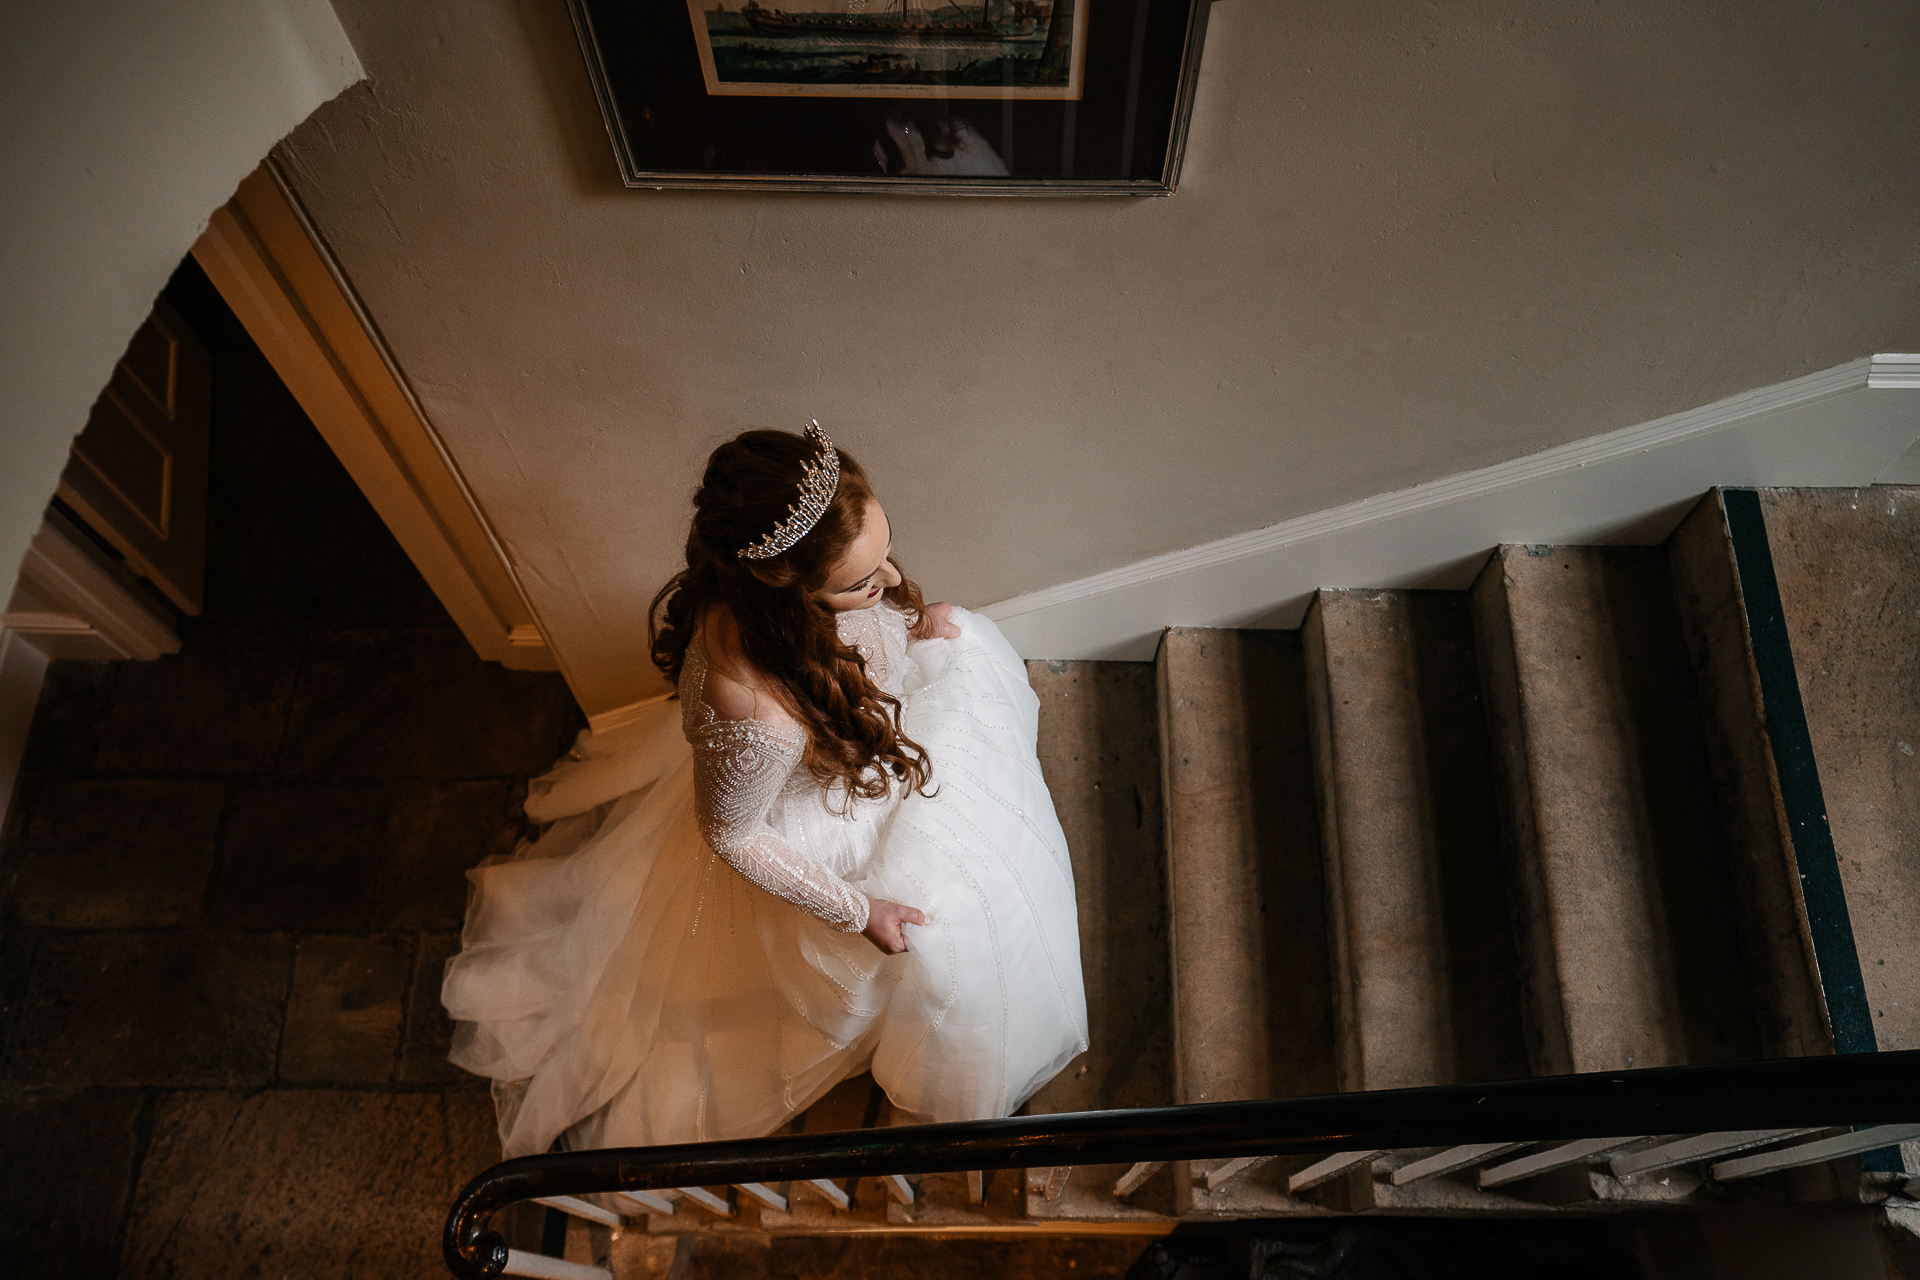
(971, 97)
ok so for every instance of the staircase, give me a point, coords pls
(1611, 807)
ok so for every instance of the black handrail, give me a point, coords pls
(1788, 1093)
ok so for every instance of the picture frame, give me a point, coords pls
(972, 97)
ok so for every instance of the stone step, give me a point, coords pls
(1786, 984)
(1629, 954)
(1425, 986)
(1252, 1016)
(1100, 752)
(1251, 989)
(1847, 563)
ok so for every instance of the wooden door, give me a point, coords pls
(138, 474)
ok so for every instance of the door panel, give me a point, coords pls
(138, 474)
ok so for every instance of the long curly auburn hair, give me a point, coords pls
(854, 734)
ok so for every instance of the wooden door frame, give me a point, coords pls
(265, 257)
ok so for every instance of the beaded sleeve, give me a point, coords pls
(880, 634)
(739, 767)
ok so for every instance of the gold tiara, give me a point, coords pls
(818, 483)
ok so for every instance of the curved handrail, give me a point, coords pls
(1856, 1089)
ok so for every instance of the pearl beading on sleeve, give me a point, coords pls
(880, 636)
(739, 767)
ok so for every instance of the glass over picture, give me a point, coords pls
(893, 48)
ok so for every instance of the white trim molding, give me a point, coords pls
(620, 717)
(1838, 427)
(68, 604)
(270, 264)
(1894, 371)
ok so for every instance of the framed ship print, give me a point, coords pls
(973, 97)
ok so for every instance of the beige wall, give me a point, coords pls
(122, 127)
(1411, 240)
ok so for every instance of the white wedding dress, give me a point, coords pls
(678, 957)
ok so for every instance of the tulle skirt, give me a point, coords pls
(623, 986)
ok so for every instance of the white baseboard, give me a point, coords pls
(1843, 427)
(1905, 468)
(70, 603)
(619, 717)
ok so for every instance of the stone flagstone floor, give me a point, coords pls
(228, 884)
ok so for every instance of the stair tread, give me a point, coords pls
(1848, 565)
(1630, 953)
(1423, 952)
(1099, 752)
(1251, 994)
(1786, 984)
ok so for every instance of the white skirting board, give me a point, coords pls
(69, 603)
(1842, 427)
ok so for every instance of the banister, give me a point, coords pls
(1852, 1089)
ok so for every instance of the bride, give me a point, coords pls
(832, 852)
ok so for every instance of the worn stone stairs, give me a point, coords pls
(1554, 823)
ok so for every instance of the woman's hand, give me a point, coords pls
(883, 924)
(937, 620)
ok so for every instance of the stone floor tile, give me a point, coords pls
(434, 832)
(69, 717)
(421, 704)
(115, 855)
(867, 1257)
(217, 706)
(27, 790)
(186, 1008)
(423, 1059)
(299, 856)
(66, 1164)
(473, 1137)
(343, 1019)
(16, 962)
(349, 1185)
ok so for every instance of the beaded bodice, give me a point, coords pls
(741, 766)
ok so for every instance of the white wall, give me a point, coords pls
(1838, 428)
(1411, 240)
(123, 126)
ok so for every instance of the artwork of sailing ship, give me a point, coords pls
(893, 48)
